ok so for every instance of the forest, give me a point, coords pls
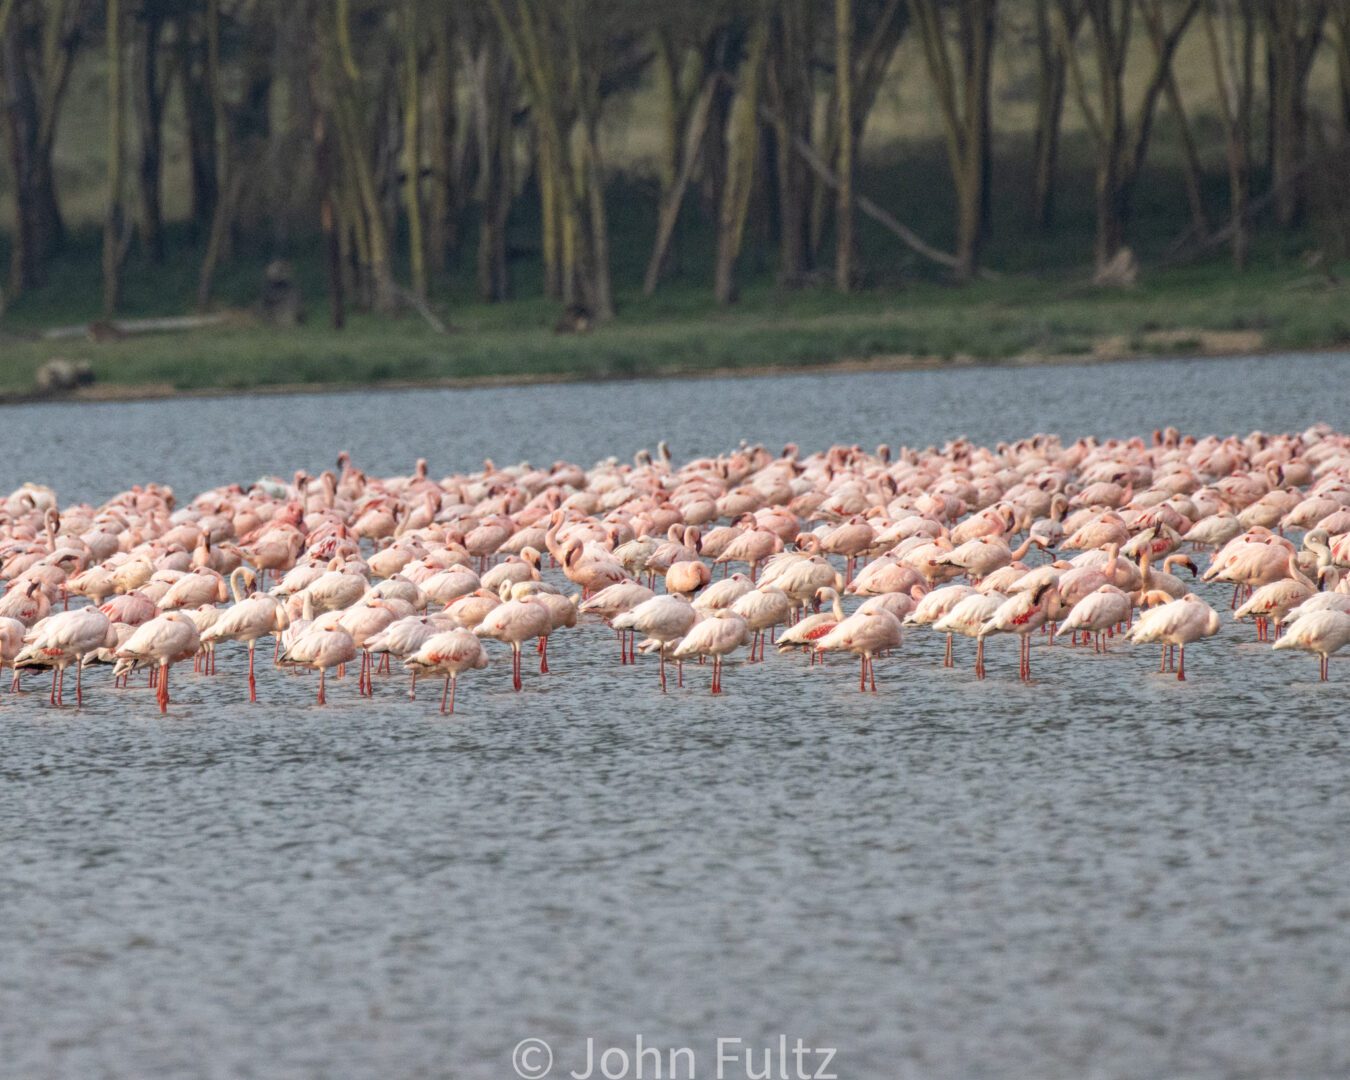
(581, 160)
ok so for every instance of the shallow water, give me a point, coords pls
(1104, 874)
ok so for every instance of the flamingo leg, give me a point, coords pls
(862, 673)
(454, 685)
(164, 690)
(1181, 668)
(79, 686)
(872, 674)
(947, 656)
(252, 681)
(662, 653)
(515, 664)
(979, 658)
(412, 690)
(445, 694)
(51, 697)
(543, 655)
(323, 699)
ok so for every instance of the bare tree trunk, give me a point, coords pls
(446, 199)
(871, 62)
(789, 90)
(412, 148)
(200, 123)
(742, 143)
(843, 74)
(1233, 64)
(696, 127)
(148, 97)
(36, 61)
(1122, 144)
(965, 109)
(1193, 173)
(112, 223)
(1293, 33)
(1049, 113)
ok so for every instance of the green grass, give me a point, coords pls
(680, 332)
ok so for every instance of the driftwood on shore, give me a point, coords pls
(127, 327)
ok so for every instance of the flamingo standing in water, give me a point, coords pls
(322, 646)
(664, 619)
(11, 642)
(967, 618)
(249, 620)
(1021, 614)
(717, 635)
(1174, 622)
(806, 632)
(161, 642)
(515, 622)
(1098, 612)
(450, 654)
(864, 633)
(64, 639)
(1322, 632)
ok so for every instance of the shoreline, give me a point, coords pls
(1208, 344)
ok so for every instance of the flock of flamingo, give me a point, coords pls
(749, 547)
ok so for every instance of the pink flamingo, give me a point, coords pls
(514, 622)
(1322, 632)
(1021, 614)
(249, 620)
(864, 633)
(320, 647)
(161, 642)
(665, 619)
(450, 654)
(64, 639)
(720, 633)
(1174, 622)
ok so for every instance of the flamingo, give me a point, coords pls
(11, 642)
(807, 631)
(864, 633)
(1322, 632)
(161, 642)
(1174, 622)
(720, 633)
(320, 647)
(514, 622)
(762, 609)
(1098, 612)
(664, 619)
(249, 620)
(967, 618)
(404, 637)
(1021, 615)
(64, 639)
(449, 653)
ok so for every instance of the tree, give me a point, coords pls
(742, 150)
(38, 43)
(1293, 33)
(843, 68)
(962, 90)
(112, 222)
(1121, 142)
(1231, 33)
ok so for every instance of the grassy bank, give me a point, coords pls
(1178, 311)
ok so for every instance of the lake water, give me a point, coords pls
(1103, 874)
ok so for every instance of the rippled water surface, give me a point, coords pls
(1103, 874)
